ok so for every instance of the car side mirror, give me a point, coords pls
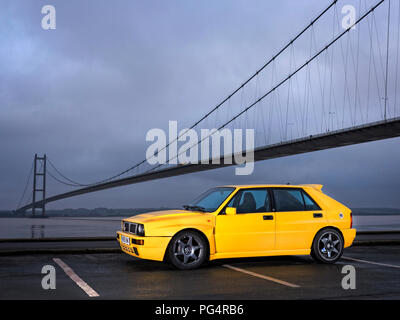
(230, 211)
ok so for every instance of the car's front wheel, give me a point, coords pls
(187, 250)
(327, 246)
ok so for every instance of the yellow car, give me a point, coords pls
(242, 221)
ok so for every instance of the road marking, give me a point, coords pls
(372, 262)
(261, 276)
(70, 273)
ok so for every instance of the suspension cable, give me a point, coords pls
(76, 184)
(68, 179)
(284, 80)
(26, 186)
(60, 181)
(397, 61)
(387, 61)
(223, 101)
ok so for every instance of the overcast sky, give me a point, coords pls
(87, 93)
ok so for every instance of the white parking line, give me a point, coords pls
(70, 273)
(261, 276)
(372, 262)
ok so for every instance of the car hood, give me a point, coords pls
(167, 223)
(163, 215)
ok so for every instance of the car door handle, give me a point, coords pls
(317, 215)
(268, 217)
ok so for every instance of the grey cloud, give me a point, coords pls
(87, 93)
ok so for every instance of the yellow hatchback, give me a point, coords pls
(242, 221)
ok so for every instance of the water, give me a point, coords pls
(29, 228)
(53, 227)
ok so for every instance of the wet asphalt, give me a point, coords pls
(119, 276)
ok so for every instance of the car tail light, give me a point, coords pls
(351, 219)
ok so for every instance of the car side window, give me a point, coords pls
(250, 201)
(293, 200)
(288, 200)
(310, 203)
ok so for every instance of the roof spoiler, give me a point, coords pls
(317, 187)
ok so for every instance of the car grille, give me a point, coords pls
(131, 250)
(130, 227)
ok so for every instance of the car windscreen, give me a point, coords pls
(212, 199)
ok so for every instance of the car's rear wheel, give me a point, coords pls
(187, 250)
(327, 246)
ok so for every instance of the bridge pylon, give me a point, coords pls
(39, 184)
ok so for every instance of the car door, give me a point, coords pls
(252, 229)
(298, 218)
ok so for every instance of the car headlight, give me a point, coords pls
(140, 230)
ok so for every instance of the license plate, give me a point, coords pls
(125, 240)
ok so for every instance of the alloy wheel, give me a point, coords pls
(188, 249)
(329, 245)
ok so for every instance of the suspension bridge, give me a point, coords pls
(333, 84)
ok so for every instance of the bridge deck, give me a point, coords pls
(359, 134)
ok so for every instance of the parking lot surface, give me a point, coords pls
(119, 276)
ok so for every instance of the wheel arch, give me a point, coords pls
(198, 231)
(328, 227)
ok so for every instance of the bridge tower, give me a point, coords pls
(39, 183)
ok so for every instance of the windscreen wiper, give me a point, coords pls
(196, 208)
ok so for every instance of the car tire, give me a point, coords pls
(187, 250)
(327, 246)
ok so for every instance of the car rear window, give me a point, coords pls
(293, 200)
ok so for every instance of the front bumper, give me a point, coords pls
(348, 235)
(153, 248)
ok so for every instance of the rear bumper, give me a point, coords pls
(153, 248)
(348, 235)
